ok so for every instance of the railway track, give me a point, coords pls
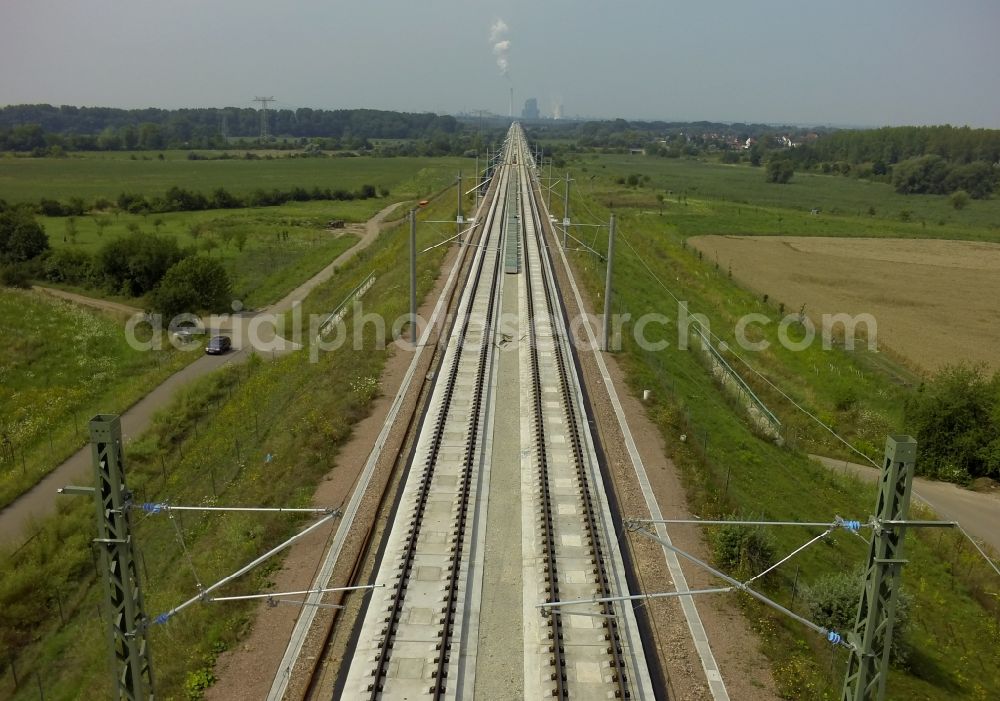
(565, 475)
(419, 636)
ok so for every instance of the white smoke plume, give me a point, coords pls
(501, 46)
(497, 30)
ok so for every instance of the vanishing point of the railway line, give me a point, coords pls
(503, 506)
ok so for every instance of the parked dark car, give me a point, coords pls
(218, 345)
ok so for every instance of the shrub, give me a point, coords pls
(956, 420)
(745, 550)
(832, 602)
(15, 276)
(135, 264)
(920, 175)
(780, 170)
(21, 237)
(959, 199)
(69, 266)
(197, 283)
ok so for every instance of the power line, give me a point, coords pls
(263, 116)
(739, 357)
(772, 385)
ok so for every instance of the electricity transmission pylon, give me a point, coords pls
(263, 116)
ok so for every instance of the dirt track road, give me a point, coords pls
(40, 500)
(978, 513)
(104, 305)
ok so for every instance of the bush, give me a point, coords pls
(745, 550)
(15, 276)
(194, 284)
(956, 421)
(780, 170)
(959, 199)
(832, 602)
(920, 175)
(978, 179)
(68, 265)
(135, 264)
(21, 237)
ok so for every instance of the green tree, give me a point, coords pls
(102, 224)
(109, 140)
(150, 136)
(135, 264)
(956, 420)
(71, 229)
(921, 175)
(744, 550)
(21, 237)
(195, 284)
(780, 170)
(978, 179)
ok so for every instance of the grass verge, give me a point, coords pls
(59, 365)
(730, 468)
(209, 446)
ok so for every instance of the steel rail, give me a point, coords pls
(615, 651)
(426, 477)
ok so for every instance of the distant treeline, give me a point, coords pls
(915, 160)
(623, 134)
(894, 144)
(34, 127)
(179, 199)
(934, 160)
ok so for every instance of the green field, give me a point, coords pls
(207, 447)
(107, 175)
(59, 365)
(736, 199)
(268, 266)
(729, 467)
(282, 245)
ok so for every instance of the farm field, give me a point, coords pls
(267, 251)
(704, 197)
(59, 365)
(107, 175)
(730, 468)
(934, 301)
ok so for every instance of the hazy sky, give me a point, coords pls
(852, 62)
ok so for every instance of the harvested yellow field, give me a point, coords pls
(936, 302)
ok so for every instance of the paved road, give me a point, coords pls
(40, 500)
(978, 513)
